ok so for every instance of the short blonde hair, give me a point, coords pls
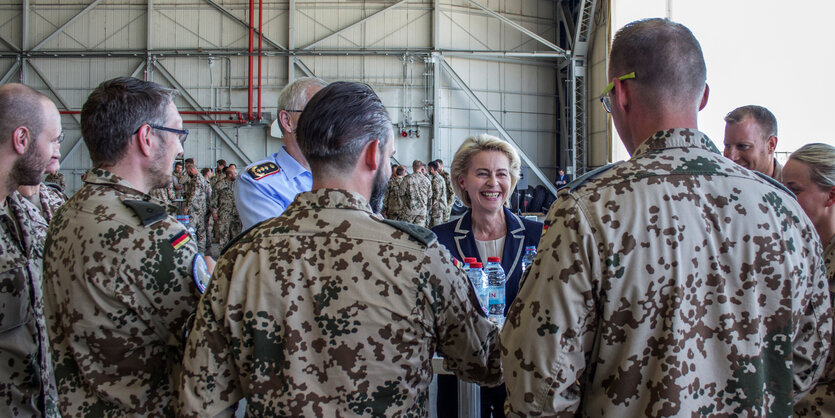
(472, 146)
(820, 158)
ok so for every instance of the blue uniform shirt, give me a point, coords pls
(266, 187)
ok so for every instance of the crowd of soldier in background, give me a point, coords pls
(424, 197)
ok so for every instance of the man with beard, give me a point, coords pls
(46, 197)
(30, 131)
(330, 309)
(122, 275)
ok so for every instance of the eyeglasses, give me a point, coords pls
(604, 97)
(60, 138)
(182, 134)
(293, 110)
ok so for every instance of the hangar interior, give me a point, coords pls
(527, 71)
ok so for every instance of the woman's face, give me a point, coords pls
(487, 181)
(812, 198)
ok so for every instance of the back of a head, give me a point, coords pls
(294, 96)
(337, 123)
(762, 116)
(115, 110)
(21, 106)
(417, 164)
(667, 60)
(433, 165)
(400, 171)
(820, 158)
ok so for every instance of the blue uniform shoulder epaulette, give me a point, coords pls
(588, 176)
(149, 213)
(259, 171)
(775, 183)
(418, 233)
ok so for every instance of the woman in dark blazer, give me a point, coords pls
(484, 172)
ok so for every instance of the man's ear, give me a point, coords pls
(771, 144)
(831, 200)
(285, 122)
(704, 97)
(370, 154)
(143, 138)
(21, 138)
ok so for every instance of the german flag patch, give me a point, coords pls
(263, 170)
(180, 239)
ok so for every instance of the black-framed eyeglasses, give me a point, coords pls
(293, 110)
(182, 134)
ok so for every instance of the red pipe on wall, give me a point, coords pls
(249, 87)
(260, 38)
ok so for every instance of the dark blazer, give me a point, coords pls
(457, 237)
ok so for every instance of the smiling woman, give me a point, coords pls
(484, 172)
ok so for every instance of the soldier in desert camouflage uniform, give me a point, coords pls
(196, 204)
(810, 174)
(393, 202)
(417, 189)
(165, 195)
(438, 201)
(121, 275)
(450, 193)
(46, 197)
(673, 283)
(356, 305)
(30, 132)
(57, 179)
(224, 211)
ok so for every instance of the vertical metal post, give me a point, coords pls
(149, 40)
(469, 400)
(24, 40)
(291, 41)
(436, 105)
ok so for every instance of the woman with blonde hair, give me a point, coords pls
(810, 175)
(484, 172)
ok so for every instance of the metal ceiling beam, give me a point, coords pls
(520, 28)
(193, 102)
(229, 14)
(9, 73)
(9, 44)
(65, 25)
(302, 66)
(355, 24)
(445, 65)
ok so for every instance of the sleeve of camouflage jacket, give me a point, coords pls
(550, 329)
(209, 386)
(466, 339)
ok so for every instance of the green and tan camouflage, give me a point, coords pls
(417, 189)
(675, 283)
(438, 202)
(330, 310)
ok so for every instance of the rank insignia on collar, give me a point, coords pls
(263, 170)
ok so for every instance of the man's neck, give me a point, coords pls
(293, 149)
(131, 174)
(29, 190)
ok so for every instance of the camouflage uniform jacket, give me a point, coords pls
(821, 399)
(673, 283)
(118, 288)
(27, 386)
(56, 178)
(223, 197)
(393, 202)
(198, 192)
(52, 197)
(438, 202)
(416, 190)
(450, 194)
(329, 310)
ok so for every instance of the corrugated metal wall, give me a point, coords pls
(201, 46)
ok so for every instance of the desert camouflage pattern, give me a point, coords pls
(417, 189)
(450, 195)
(51, 197)
(393, 202)
(820, 402)
(56, 178)
(673, 283)
(228, 224)
(166, 194)
(117, 293)
(197, 194)
(438, 202)
(330, 311)
(27, 385)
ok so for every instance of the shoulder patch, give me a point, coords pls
(149, 213)
(775, 183)
(263, 170)
(588, 176)
(200, 273)
(418, 233)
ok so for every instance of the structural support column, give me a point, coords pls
(24, 40)
(291, 41)
(149, 41)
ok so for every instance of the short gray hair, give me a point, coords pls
(294, 95)
(666, 58)
(820, 158)
(762, 116)
(472, 146)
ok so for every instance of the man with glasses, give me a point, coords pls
(30, 133)
(122, 275)
(675, 283)
(266, 187)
